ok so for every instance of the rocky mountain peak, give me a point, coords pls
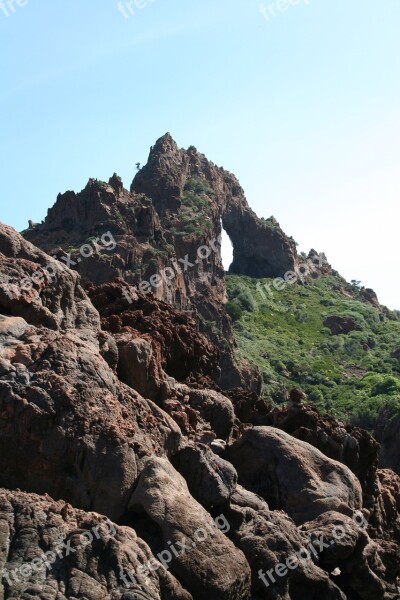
(164, 145)
(173, 177)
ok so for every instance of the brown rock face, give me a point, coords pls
(389, 500)
(50, 550)
(177, 345)
(166, 232)
(370, 296)
(292, 475)
(361, 565)
(69, 427)
(210, 566)
(260, 248)
(268, 539)
(210, 479)
(40, 289)
(387, 432)
(352, 446)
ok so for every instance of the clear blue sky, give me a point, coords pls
(304, 108)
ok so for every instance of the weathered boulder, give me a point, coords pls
(207, 564)
(389, 503)
(339, 325)
(345, 548)
(139, 366)
(292, 475)
(68, 426)
(282, 564)
(41, 289)
(352, 446)
(210, 479)
(214, 408)
(51, 551)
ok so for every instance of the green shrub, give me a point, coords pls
(246, 301)
(234, 309)
(198, 186)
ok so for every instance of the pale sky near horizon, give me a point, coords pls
(302, 107)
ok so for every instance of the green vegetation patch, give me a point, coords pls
(195, 208)
(350, 376)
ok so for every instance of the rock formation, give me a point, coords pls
(137, 459)
(387, 432)
(51, 550)
(170, 223)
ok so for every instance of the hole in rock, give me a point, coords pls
(226, 250)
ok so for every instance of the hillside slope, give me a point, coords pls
(328, 337)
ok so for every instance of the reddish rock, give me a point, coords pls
(68, 426)
(51, 550)
(178, 347)
(211, 566)
(95, 409)
(40, 289)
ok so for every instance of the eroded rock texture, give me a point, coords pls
(68, 426)
(260, 247)
(134, 405)
(211, 566)
(170, 222)
(387, 431)
(51, 551)
(40, 289)
(293, 476)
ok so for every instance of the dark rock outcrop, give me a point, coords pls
(165, 235)
(389, 502)
(352, 446)
(176, 344)
(370, 297)
(210, 565)
(50, 550)
(260, 248)
(387, 432)
(134, 403)
(270, 541)
(210, 479)
(292, 475)
(339, 325)
(356, 560)
(68, 426)
(40, 289)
